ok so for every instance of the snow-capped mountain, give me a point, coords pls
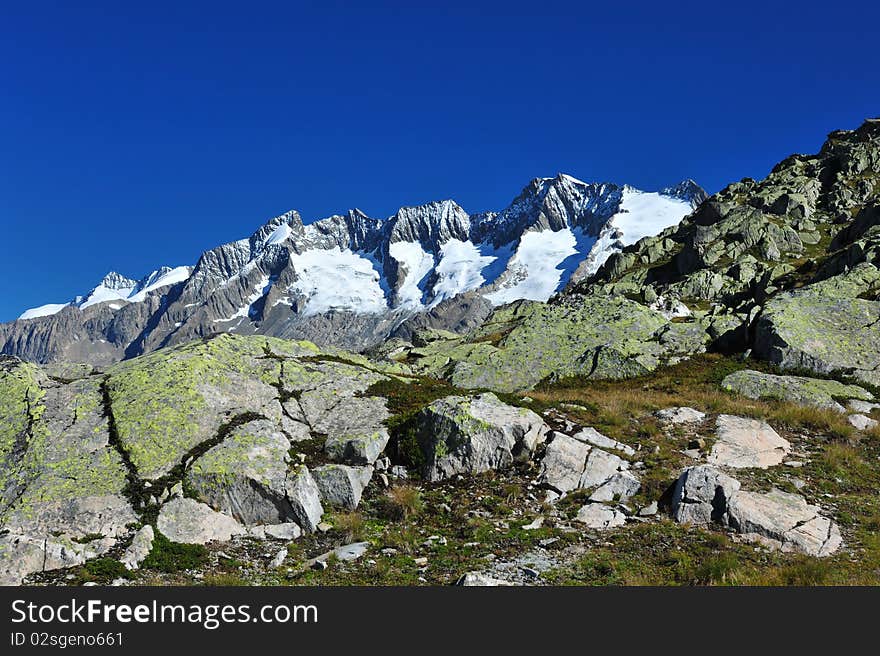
(116, 287)
(353, 280)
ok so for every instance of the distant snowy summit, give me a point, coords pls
(352, 280)
(116, 287)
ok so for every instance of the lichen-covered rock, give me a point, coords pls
(246, 475)
(526, 342)
(340, 485)
(167, 403)
(795, 389)
(190, 522)
(358, 448)
(783, 520)
(701, 495)
(824, 327)
(744, 442)
(470, 435)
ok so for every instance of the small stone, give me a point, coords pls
(471, 579)
(861, 422)
(536, 523)
(599, 516)
(421, 561)
(648, 511)
(278, 559)
(323, 527)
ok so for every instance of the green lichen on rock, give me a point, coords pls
(824, 327)
(169, 402)
(795, 389)
(594, 337)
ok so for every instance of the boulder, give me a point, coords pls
(795, 389)
(599, 516)
(305, 498)
(681, 415)
(743, 442)
(469, 435)
(777, 519)
(600, 467)
(825, 327)
(620, 487)
(783, 520)
(701, 495)
(861, 422)
(563, 463)
(191, 522)
(341, 485)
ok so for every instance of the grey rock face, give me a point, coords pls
(746, 442)
(246, 475)
(470, 435)
(564, 462)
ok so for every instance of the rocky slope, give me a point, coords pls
(351, 280)
(786, 268)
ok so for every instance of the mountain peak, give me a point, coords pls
(116, 281)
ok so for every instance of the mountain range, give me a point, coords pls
(352, 281)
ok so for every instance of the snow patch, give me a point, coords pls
(418, 264)
(543, 263)
(43, 311)
(336, 279)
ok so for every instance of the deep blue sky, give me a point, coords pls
(135, 136)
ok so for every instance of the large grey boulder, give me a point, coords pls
(783, 520)
(777, 519)
(571, 464)
(825, 327)
(795, 389)
(743, 442)
(248, 476)
(469, 435)
(563, 462)
(701, 495)
(190, 522)
(341, 485)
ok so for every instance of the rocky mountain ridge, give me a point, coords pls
(352, 280)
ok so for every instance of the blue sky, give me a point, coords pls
(139, 134)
